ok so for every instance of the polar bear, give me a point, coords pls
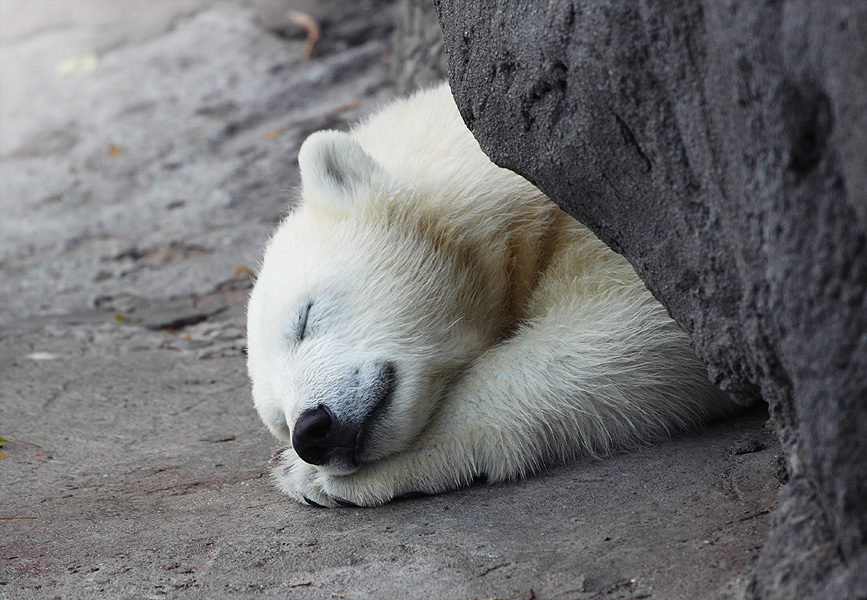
(425, 318)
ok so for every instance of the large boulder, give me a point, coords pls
(722, 148)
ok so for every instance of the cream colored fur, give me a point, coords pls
(518, 339)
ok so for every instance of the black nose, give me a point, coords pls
(312, 438)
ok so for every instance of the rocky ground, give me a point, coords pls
(146, 152)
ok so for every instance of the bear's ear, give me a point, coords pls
(335, 170)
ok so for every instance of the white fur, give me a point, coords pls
(518, 338)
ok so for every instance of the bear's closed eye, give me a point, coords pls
(300, 329)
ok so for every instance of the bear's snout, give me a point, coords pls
(321, 438)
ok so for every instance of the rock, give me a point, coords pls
(418, 59)
(721, 148)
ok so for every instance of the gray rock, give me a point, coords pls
(417, 45)
(721, 148)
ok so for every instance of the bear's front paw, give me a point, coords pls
(307, 484)
(298, 479)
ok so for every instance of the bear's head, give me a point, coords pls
(366, 307)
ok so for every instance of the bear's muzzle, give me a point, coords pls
(320, 437)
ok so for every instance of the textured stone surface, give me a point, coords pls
(720, 147)
(419, 59)
(169, 160)
(145, 474)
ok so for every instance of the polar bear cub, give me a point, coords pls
(425, 318)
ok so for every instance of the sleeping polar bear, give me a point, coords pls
(425, 318)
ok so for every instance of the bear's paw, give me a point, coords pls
(309, 485)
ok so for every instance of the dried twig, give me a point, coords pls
(314, 33)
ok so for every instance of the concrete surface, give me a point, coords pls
(141, 170)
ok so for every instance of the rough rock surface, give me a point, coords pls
(169, 161)
(721, 147)
(419, 57)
